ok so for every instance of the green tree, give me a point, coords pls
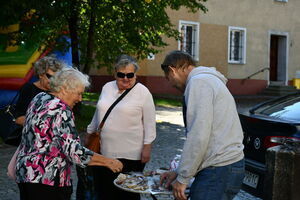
(99, 30)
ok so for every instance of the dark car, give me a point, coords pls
(277, 119)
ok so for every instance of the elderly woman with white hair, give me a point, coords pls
(50, 143)
(44, 69)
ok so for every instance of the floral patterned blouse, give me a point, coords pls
(50, 143)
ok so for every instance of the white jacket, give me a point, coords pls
(214, 133)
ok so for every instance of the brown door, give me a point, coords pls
(274, 58)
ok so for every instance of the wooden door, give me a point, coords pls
(274, 58)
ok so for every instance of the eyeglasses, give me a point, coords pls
(122, 75)
(48, 75)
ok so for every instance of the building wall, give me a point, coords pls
(258, 17)
(213, 46)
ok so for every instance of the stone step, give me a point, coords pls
(277, 83)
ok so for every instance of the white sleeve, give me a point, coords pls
(199, 100)
(149, 119)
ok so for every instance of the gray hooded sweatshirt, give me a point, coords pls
(214, 133)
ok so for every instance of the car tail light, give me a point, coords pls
(271, 141)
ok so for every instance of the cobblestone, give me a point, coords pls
(169, 142)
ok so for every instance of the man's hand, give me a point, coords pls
(179, 190)
(167, 178)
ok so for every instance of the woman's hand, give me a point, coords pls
(146, 153)
(20, 120)
(113, 164)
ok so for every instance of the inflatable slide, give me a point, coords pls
(16, 64)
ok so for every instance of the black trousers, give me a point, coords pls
(37, 191)
(103, 181)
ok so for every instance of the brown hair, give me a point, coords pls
(177, 59)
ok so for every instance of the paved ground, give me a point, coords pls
(169, 142)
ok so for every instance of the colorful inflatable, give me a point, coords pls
(16, 65)
(19, 70)
(13, 77)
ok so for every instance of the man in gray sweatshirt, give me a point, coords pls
(213, 150)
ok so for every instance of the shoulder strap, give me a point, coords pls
(113, 105)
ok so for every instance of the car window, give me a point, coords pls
(288, 109)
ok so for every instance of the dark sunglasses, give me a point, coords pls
(48, 76)
(122, 75)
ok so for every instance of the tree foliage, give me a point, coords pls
(103, 28)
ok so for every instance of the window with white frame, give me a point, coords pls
(189, 34)
(237, 45)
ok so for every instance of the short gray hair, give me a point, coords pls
(124, 60)
(47, 62)
(70, 79)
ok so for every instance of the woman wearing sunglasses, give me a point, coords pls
(129, 129)
(44, 69)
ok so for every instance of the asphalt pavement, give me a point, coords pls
(169, 142)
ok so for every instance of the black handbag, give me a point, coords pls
(10, 132)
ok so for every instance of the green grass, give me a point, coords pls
(88, 96)
(84, 117)
(167, 102)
